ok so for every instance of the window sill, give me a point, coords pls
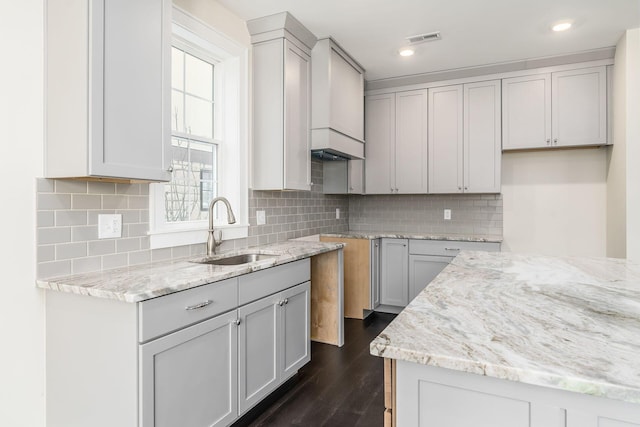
(172, 238)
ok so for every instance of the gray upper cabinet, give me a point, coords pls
(465, 138)
(338, 101)
(396, 149)
(579, 107)
(380, 132)
(564, 108)
(281, 64)
(107, 89)
(343, 177)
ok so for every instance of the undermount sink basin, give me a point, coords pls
(237, 259)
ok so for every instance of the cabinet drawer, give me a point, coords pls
(271, 280)
(165, 314)
(449, 247)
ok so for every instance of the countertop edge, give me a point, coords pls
(370, 235)
(89, 281)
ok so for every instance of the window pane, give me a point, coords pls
(177, 68)
(199, 116)
(199, 77)
(193, 183)
(177, 111)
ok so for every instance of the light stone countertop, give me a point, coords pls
(560, 322)
(141, 282)
(413, 235)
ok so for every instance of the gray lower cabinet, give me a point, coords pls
(407, 266)
(189, 378)
(422, 270)
(194, 358)
(394, 269)
(274, 342)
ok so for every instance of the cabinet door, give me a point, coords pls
(375, 274)
(411, 142)
(380, 133)
(422, 270)
(356, 176)
(295, 346)
(445, 140)
(579, 105)
(347, 95)
(189, 378)
(297, 134)
(129, 89)
(526, 112)
(482, 148)
(257, 351)
(394, 266)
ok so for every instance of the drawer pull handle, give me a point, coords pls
(452, 249)
(198, 306)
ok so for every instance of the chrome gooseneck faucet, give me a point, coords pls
(212, 242)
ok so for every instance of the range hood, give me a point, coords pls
(333, 143)
(327, 156)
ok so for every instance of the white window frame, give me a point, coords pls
(230, 126)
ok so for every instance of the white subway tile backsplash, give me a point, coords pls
(47, 236)
(102, 247)
(85, 265)
(70, 186)
(66, 218)
(84, 233)
(52, 201)
(101, 187)
(82, 201)
(53, 269)
(71, 250)
(115, 261)
(45, 219)
(115, 202)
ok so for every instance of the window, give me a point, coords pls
(209, 131)
(193, 148)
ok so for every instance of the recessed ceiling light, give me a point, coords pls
(406, 51)
(561, 26)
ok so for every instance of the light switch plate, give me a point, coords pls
(261, 217)
(109, 226)
(447, 214)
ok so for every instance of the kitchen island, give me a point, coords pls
(503, 339)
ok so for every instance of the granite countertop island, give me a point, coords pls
(564, 323)
(141, 282)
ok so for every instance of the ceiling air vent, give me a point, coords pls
(421, 38)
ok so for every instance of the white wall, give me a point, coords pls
(633, 144)
(21, 150)
(623, 180)
(555, 202)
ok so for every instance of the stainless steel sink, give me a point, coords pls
(236, 259)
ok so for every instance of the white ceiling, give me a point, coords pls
(474, 32)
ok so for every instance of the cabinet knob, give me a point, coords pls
(237, 322)
(281, 303)
(170, 169)
(548, 141)
(460, 188)
(466, 188)
(555, 141)
(286, 300)
(350, 188)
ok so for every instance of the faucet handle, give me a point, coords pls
(217, 237)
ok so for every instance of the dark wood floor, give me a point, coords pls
(339, 387)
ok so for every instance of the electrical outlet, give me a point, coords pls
(447, 214)
(261, 217)
(109, 226)
(337, 213)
